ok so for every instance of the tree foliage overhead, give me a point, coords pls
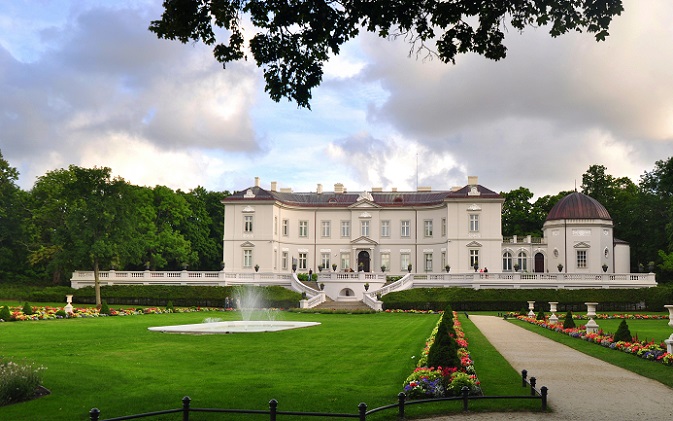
(293, 38)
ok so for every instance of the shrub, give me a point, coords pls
(18, 382)
(5, 314)
(104, 308)
(623, 333)
(170, 307)
(27, 309)
(61, 313)
(523, 311)
(540, 315)
(569, 323)
(444, 351)
(423, 383)
(460, 380)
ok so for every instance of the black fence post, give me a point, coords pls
(543, 393)
(273, 407)
(94, 414)
(363, 411)
(524, 375)
(400, 405)
(465, 392)
(185, 408)
(533, 380)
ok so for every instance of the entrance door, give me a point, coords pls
(539, 262)
(363, 261)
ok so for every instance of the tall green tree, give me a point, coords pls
(519, 215)
(204, 227)
(93, 222)
(292, 40)
(12, 233)
(657, 193)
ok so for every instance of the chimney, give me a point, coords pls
(256, 181)
(394, 189)
(319, 189)
(377, 189)
(424, 189)
(274, 185)
(472, 180)
(338, 188)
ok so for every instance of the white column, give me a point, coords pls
(552, 308)
(669, 341)
(591, 326)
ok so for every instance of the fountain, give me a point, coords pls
(248, 301)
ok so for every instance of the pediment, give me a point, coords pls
(364, 241)
(474, 207)
(473, 244)
(248, 209)
(247, 244)
(582, 245)
(364, 203)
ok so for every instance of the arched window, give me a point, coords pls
(522, 261)
(507, 262)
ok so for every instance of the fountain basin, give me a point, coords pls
(233, 327)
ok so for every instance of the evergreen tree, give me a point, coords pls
(569, 323)
(623, 333)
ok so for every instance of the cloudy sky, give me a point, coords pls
(84, 82)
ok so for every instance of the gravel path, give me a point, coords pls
(580, 387)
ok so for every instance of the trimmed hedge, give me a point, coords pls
(466, 299)
(152, 296)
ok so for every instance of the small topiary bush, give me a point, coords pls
(460, 380)
(623, 333)
(5, 314)
(523, 312)
(540, 315)
(444, 351)
(104, 308)
(61, 313)
(27, 309)
(170, 307)
(18, 382)
(569, 323)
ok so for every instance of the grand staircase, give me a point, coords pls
(330, 304)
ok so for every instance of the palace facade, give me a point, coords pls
(459, 230)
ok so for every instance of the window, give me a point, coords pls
(474, 222)
(474, 258)
(385, 229)
(581, 259)
(428, 262)
(522, 261)
(345, 261)
(443, 259)
(247, 258)
(405, 232)
(247, 223)
(286, 227)
(405, 261)
(326, 229)
(443, 227)
(275, 225)
(385, 260)
(324, 260)
(345, 228)
(284, 261)
(302, 261)
(303, 228)
(507, 262)
(364, 228)
(275, 259)
(427, 227)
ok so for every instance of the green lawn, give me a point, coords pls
(651, 328)
(118, 366)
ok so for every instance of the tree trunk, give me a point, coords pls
(96, 283)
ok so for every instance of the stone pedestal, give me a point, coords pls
(669, 341)
(531, 306)
(552, 308)
(68, 306)
(591, 326)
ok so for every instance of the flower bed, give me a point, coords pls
(646, 350)
(51, 313)
(432, 382)
(605, 316)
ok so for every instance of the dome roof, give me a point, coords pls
(578, 206)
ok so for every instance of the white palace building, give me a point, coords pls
(433, 238)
